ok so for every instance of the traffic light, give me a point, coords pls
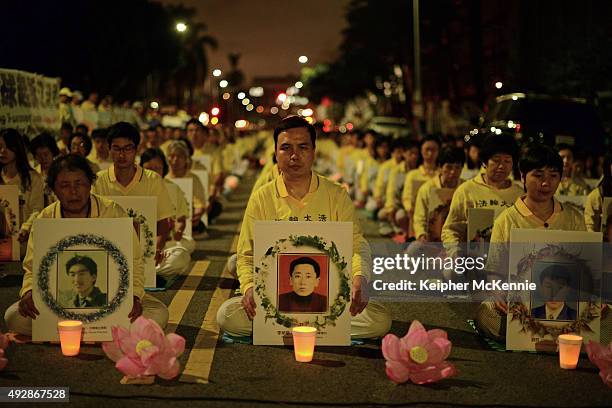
(215, 112)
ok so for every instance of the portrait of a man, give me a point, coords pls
(555, 287)
(304, 278)
(82, 272)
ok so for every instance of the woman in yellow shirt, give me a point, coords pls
(541, 169)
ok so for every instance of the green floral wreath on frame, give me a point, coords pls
(12, 218)
(521, 313)
(84, 239)
(149, 250)
(339, 304)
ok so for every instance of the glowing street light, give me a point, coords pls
(181, 27)
(223, 83)
(299, 84)
(303, 59)
(498, 85)
(241, 95)
(217, 72)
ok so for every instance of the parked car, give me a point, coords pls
(543, 118)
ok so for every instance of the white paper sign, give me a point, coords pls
(302, 275)
(65, 286)
(9, 223)
(186, 185)
(202, 175)
(143, 210)
(566, 267)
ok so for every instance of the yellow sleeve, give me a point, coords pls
(363, 177)
(593, 210)
(244, 263)
(379, 185)
(26, 284)
(34, 197)
(421, 208)
(390, 190)
(362, 258)
(454, 231)
(407, 194)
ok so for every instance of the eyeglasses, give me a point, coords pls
(125, 149)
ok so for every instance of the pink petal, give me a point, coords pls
(436, 334)
(391, 347)
(130, 367)
(442, 350)
(397, 372)
(171, 373)
(161, 365)
(112, 351)
(435, 353)
(137, 328)
(414, 327)
(3, 363)
(128, 346)
(416, 338)
(177, 343)
(433, 373)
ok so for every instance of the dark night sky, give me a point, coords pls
(271, 34)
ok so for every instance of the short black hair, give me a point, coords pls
(82, 260)
(305, 261)
(431, 138)
(293, 122)
(540, 156)
(99, 133)
(66, 126)
(499, 144)
(556, 272)
(123, 129)
(451, 155)
(403, 143)
(44, 140)
(194, 121)
(152, 153)
(86, 141)
(81, 127)
(564, 146)
(70, 162)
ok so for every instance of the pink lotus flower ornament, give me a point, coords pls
(4, 342)
(143, 350)
(418, 356)
(601, 356)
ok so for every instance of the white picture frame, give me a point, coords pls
(143, 210)
(186, 185)
(533, 254)
(59, 240)
(277, 244)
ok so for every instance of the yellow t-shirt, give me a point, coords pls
(380, 185)
(216, 160)
(325, 201)
(409, 192)
(100, 208)
(199, 196)
(593, 210)
(144, 183)
(268, 173)
(179, 202)
(424, 199)
(474, 193)
(565, 218)
(395, 186)
(573, 187)
(369, 174)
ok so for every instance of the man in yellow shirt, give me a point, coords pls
(126, 178)
(570, 185)
(70, 178)
(300, 194)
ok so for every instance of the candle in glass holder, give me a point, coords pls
(569, 350)
(303, 343)
(70, 336)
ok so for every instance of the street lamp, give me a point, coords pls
(217, 72)
(303, 59)
(223, 83)
(499, 85)
(181, 27)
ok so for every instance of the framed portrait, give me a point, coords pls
(303, 283)
(186, 186)
(439, 207)
(9, 223)
(82, 270)
(565, 267)
(302, 277)
(480, 227)
(143, 211)
(202, 175)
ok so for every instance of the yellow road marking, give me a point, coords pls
(183, 296)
